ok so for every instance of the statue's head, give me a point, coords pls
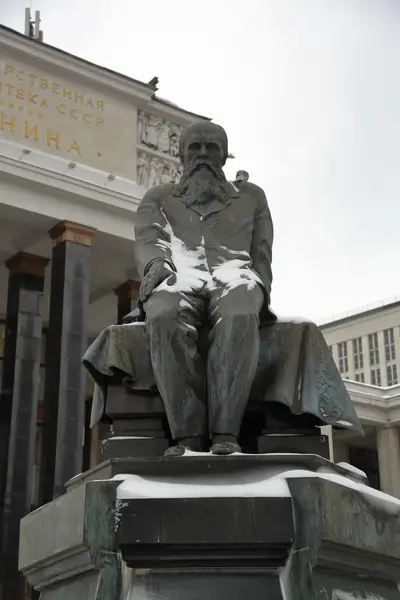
(202, 144)
(203, 150)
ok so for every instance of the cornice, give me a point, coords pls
(173, 113)
(374, 405)
(85, 190)
(57, 59)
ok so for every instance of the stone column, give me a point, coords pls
(63, 409)
(127, 295)
(18, 409)
(388, 446)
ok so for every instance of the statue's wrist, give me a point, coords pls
(155, 261)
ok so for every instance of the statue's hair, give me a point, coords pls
(204, 126)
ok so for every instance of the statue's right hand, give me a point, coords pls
(158, 272)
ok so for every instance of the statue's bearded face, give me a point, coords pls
(203, 177)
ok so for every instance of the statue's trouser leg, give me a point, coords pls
(234, 344)
(173, 321)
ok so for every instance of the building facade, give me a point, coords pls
(365, 344)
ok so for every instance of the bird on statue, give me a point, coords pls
(241, 176)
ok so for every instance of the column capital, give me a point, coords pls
(67, 231)
(28, 264)
(129, 290)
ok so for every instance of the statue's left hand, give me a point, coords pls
(158, 272)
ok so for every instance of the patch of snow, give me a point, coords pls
(293, 319)
(353, 469)
(75, 477)
(344, 595)
(241, 252)
(246, 484)
(128, 437)
(117, 512)
(193, 272)
(184, 303)
(231, 275)
(269, 481)
(379, 499)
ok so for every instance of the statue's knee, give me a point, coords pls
(160, 308)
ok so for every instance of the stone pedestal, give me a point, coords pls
(282, 527)
(138, 425)
(68, 548)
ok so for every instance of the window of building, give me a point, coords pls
(343, 358)
(391, 371)
(390, 348)
(373, 349)
(358, 353)
(360, 377)
(376, 377)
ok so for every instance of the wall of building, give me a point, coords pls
(49, 109)
(366, 347)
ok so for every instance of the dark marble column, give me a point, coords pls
(127, 295)
(63, 408)
(18, 409)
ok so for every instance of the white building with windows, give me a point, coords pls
(365, 344)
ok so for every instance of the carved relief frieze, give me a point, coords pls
(153, 170)
(158, 134)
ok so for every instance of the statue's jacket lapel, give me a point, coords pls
(223, 230)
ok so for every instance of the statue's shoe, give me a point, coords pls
(175, 450)
(224, 448)
(193, 444)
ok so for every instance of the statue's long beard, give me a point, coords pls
(203, 183)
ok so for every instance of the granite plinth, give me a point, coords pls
(332, 537)
(307, 444)
(125, 446)
(278, 526)
(206, 532)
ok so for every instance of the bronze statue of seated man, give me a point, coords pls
(203, 250)
(206, 339)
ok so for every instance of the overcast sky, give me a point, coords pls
(309, 93)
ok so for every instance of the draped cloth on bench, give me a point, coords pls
(295, 369)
